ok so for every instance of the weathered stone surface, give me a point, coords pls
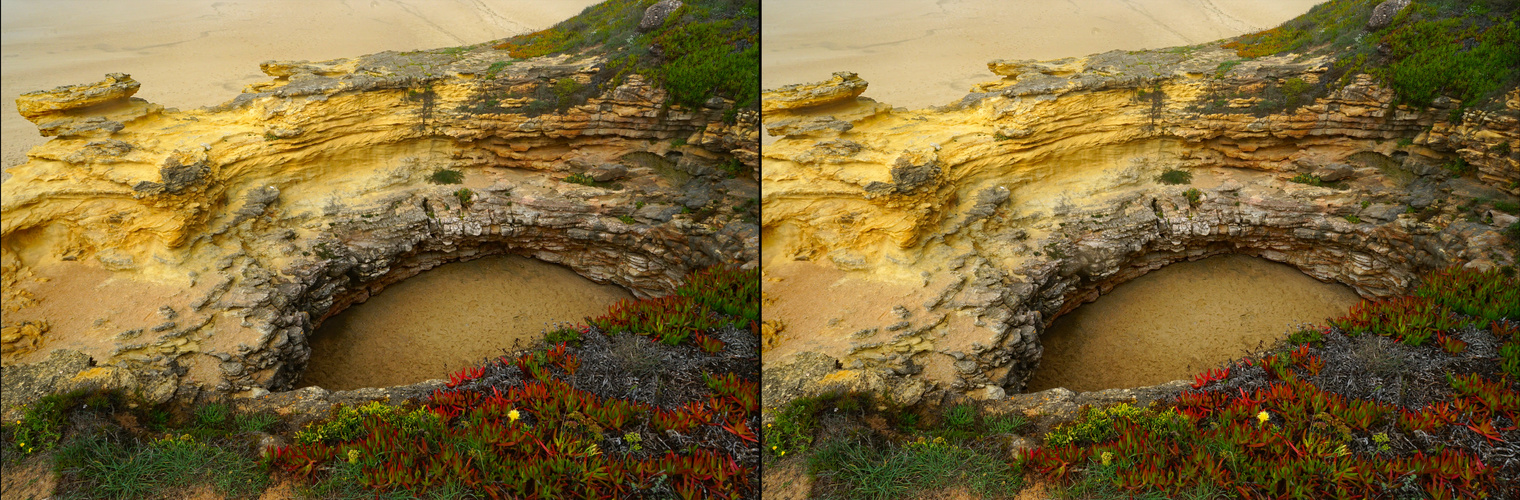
(38, 104)
(843, 87)
(1383, 14)
(1037, 194)
(655, 15)
(256, 220)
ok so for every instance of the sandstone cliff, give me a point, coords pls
(189, 250)
(1038, 192)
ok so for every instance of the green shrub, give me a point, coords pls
(254, 422)
(1310, 179)
(1226, 66)
(584, 180)
(1435, 53)
(860, 471)
(1173, 176)
(42, 424)
(1306, 336)
(465, 196)
(1353, 219)
(960, 417)
(496, 67)
(727, 290)
(569, 334)
(1193, 195)
(627, 219)
(1095, 425)
(348, 423)
(564, 91)
(446, 176)
(710, 47)
(114, 468)
(1006, 424)
(211, 416)
(792, 430)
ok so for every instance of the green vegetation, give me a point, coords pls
(117, 467)
(446, 176)
(1006, 424)
(707, 48)
(1460, 168)
(1467, 50)
(1095, 425)
(107, 444)
(1296, 421)
(1352, 218)
(564, 92)
(627, 219)
(1174, 176)
(465, 196)
(586, 180)
(516, 427)
(1194, 196)
(1309, 179)
(687, 315)
(856, 470)
(519, 427)
(1226, 66)
(496, 68)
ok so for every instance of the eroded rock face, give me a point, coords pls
(201, 247)
(843, 87)
(1038, 192)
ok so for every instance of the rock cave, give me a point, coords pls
(211, 241)
(973, 226)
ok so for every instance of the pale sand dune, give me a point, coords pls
(193, 53)
(921, 53)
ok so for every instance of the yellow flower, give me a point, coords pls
(1263, 417)
(1107, 457)
(353, 456)
(513, 415)
(783, 452)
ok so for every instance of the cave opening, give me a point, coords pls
(1181, 319)
(447, 318)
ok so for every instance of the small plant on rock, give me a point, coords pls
(446, 176)
(1174, 176)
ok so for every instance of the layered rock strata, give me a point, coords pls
(1039, 192)
(180, 251)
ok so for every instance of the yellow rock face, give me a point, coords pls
(843, 87)
(964, 230)
(35, 106)
(208, 242)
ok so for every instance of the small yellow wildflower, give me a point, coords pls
(1107, 457)
(353, 456)
(783, 452)
(1263, 417)
(513, 415)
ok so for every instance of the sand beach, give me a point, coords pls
(921, 53)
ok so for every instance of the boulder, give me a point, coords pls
(655, 15)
